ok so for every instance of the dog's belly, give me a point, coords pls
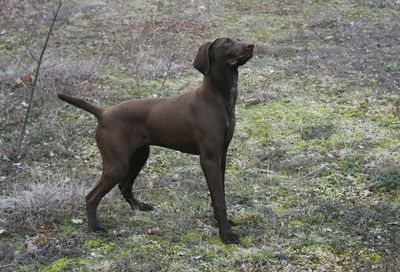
(190, 149)
(183, 142)
(181, 138)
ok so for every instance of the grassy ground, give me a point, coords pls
(313, 172)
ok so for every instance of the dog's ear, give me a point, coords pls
(202, 60)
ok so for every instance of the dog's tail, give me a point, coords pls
(81, 103)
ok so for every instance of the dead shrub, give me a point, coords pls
(385, 171)
(40, 203)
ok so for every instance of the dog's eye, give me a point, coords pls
(228, 42)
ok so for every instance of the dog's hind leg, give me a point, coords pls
(137, 162)
(115, 152)
(111, 176)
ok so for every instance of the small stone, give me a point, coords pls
(202, 8)
(152, 231)
(95, 255)
(77, 221)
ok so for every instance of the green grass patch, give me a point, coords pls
(64, 264)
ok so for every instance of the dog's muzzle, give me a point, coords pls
(242, 59)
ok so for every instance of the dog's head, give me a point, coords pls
(224, 52)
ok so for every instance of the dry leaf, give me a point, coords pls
(24, 79)
(364, 193)
(152, 231)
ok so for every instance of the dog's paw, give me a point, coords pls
(98, 229)
(145, 207)
(230, 238)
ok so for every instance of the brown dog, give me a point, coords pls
(199, 122)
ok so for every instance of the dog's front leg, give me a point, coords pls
(212, 169)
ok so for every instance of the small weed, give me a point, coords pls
(394, 65)
(58, 265)
(373, 257)
(387, 181)
(323, 131)
(92, 243)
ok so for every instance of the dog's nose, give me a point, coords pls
(250, 46)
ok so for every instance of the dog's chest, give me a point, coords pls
(231, 120)
(230, 125)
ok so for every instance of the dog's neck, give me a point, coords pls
(224, 82)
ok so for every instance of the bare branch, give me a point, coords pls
(53, 65)
(17, 61)
(31, 53)
(34, 83)
(166, 74)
